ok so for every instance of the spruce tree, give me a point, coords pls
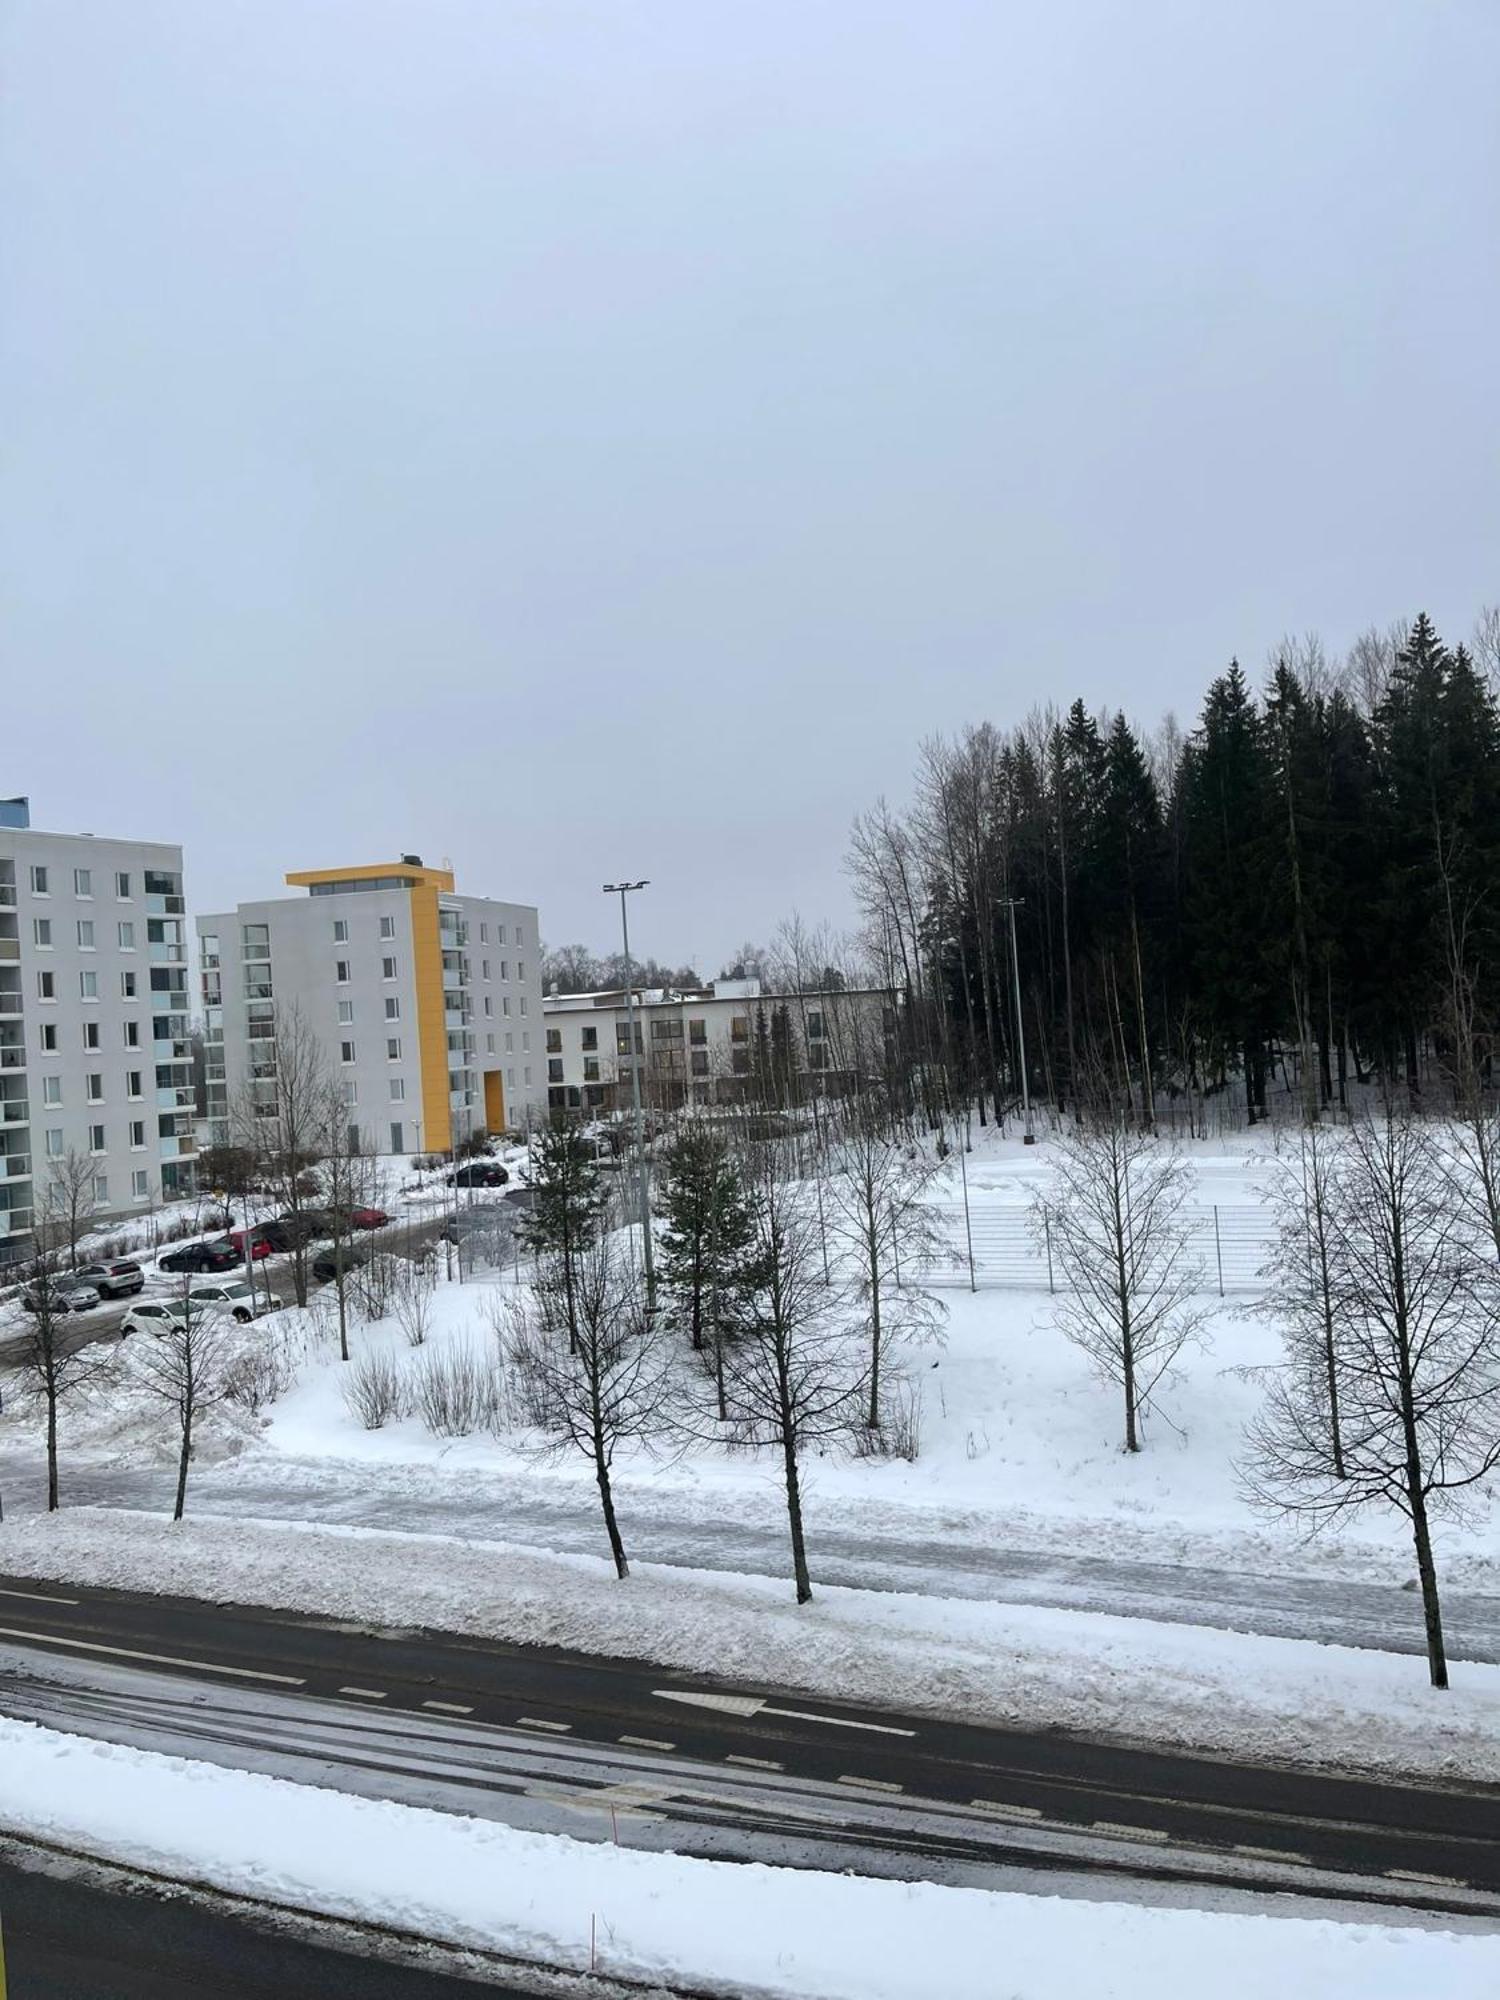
(563, 1220)
(706, 1246)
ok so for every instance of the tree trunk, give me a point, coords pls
(182, 1463)
(794, 1517)
(872, 1244)
(52, 1500)
(1432, 1612)
(607, 1502)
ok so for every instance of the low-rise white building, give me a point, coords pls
(713, 1044)
(96, 1078)
(425, 1003)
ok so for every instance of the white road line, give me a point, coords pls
(1273, 1854)
(756, 1704)
(756, 1763)
(647, 1743)
(1127, 1832)
(37, 1597)
(156, 1659)
(1419, 1875)
(1005, 1810)
(539, 1722)
(871, 1784)
(449, 1707)
(365, 1694)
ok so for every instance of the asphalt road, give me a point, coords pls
(70, 1937)
(554, 1740)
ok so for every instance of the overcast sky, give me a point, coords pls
(580, 439)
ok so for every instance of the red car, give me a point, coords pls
(260, 1243)
(368, 1218)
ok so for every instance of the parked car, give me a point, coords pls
(218, 1255)
(308, 1223)
(115, 1278)
(60, 1295)
(368, 1218)
(325, 1266)
(481, 1217)
(264, 1238)
(478, 1173)
(521, 1197)
(236, 1299)
(155, 1316)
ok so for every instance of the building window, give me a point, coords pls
(554, 1069)
(504, 967)
(126, 934)
(815, 1026)
(341, 971)
(484, 967)
(88, 986)
(140, 1184)
(700, 1062)
(590, 1037)
(83, 882)
(137, 1135)
(101, 1187)
(489, 1045)
(505, 1005)
(41, 933)
(351, 1091)
(387, 927)
(698, 1031)
(132, 1083)
(94, 1086)
(528, 1077)
(46, 986)
(739, 1028)
(49, 1037)
(392, 1007)
(346, 1013)
(393, 1048)
(39, 882)
(554, 1040)
(255, 940)
(398, 1089)
(85, 934)
(122, 887)
(52, 1090)
(591, 1069)
(132, 1034)
(525, 1043)
(54, 1142)
(341, 930)
(510, 1080)
(91, 1034)
(523, 1003)
(489, 1008)
(520, 969)
(397, 1137)
(127, 985)
(484, 936)
(96, 1139)
(388, 968)
(346, 1052)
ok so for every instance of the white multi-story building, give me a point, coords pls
(717, 1043)
(425, 1003)
(96, 1082)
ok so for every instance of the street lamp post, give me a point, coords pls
(622, 890)
(1014, 903)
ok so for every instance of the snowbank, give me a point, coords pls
(1236, 1693)
(772, 1931)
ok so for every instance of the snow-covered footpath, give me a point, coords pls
(717, 1926)
(1229, 1692)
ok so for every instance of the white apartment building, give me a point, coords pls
(95, 1056)
(426, 1003)
(714, 1043)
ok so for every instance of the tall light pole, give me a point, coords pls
(622, 890)
(1014, 903)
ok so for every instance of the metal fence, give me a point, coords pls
(1231, 1243)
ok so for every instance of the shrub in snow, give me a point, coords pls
(412, 1288)
(456, 1390)
(900, 1432)
(373, 1390)
(261, 1371)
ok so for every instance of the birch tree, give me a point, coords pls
(187, 1366)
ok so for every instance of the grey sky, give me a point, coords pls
(578, 439)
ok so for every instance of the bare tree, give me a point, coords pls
(879, 1216)
(60, 1359)
(350, 1177)
(792, 1377)
(1304, 1292)
(281, 1116)
(1417, 1356)
(413, 1286)
(601, 1383)
(69, 1199)
(188, 1366)
(1131, 1281)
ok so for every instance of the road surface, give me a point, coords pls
(604, 1748)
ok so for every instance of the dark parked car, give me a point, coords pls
(478, 1173)
(480, 1219)
(60, 1295)
(325, 1266)
(115, 1278)
(220, 1255)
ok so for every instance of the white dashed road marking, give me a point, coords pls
(37, 1597)
(756, 1763)
(539, 1722)
(1128, 1832)
(647, 1743)
(1005, 1810)
(449, 1707)
(871, 1784)
(365, 1694)
(1418, 1875)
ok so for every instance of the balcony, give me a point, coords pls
(171, 1000)
(175, 1100)
(167, 954)
(165, 906)
(183, 1147)
(10, 950)
(14, 1111)
(17, 1166)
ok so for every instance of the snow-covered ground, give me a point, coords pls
(744, 1929)
(1280, 1699)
